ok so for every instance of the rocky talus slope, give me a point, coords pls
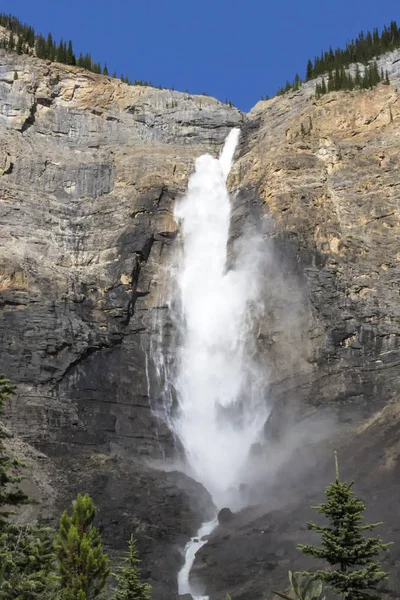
(90, 169)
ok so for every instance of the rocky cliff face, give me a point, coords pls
(90, 169)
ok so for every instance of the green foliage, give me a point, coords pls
(309, 70)
(69, 55)
(83, 567)
(27, 563)
(51, 48)
(364, 49)
(309, 589)
(10, 494)
(130, 586)
(353, 573)
(20, 45)
(340, 79)
(48, 49)
(26, 553)
(294, 86)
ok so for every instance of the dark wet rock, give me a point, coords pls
(225, 515)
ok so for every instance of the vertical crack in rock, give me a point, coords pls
(30, 120)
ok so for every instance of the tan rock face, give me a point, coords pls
(89, 172)
(325, 171)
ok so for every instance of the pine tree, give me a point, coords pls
(309, 70)
(25, 553)
(83, 567)
(41, 48)
(357, 77)
(130, 587)
(351, 555)
(10, 494)
(51, 49)
(69, 55)
(375, 77)
(30, 37)
(27, 563)
(331, 85)
(11, 41)
(20, 44)
(60, 53)
(87, 62)
(105, 69)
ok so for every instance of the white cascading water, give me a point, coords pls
(220, 406)
(192, 547)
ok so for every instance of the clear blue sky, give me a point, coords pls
(235, 49)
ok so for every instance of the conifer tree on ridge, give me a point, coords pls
(354, 572)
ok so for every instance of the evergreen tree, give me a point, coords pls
(30, 38)
(69, 55)
(105, 69)
(297, 82)
(348, 552)
(309, 70)
(27, 563)
(375, 77)
(11, 41)
(83, 567)
(87, 62)
(51, 49)
(41, 48)
(130, 587)
(357, 76)
(60, 57)
(25, 553)
(20, 44)
(331, 85)
(10, 494)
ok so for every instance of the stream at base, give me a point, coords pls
(192, 547)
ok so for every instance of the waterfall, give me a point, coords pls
(214, 390)
(218, 385)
